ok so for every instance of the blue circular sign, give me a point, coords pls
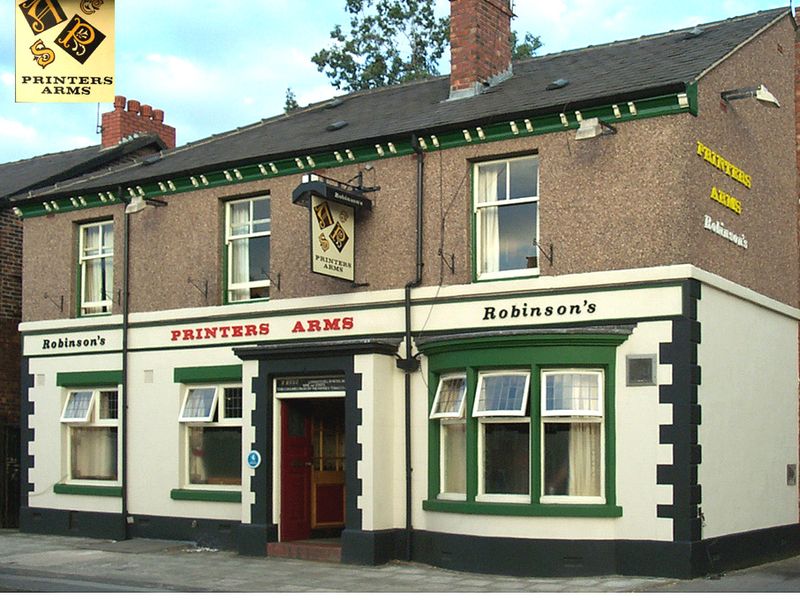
(254, 459)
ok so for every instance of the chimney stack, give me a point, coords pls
(480, 45)
(137, 118)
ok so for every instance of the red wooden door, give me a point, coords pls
(296, 454)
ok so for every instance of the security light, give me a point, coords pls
(592, 128)
(760, 93)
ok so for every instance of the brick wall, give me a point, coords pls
(480, 41)
(10, 312)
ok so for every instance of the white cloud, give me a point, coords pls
(14, 131)
(7, 79)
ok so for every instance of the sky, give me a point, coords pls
(214, 65)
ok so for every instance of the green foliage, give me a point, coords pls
(531, 43)
(291, 101)
(390, 41)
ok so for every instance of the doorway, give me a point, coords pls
(312, 469)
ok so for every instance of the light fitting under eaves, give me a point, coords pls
(592, 128)
(760, 93)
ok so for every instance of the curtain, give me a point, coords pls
(489, 222)
(584, 459)
(94, 453)
(240, 249)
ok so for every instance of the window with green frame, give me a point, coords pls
(523, 425)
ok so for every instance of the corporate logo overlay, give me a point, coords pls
(64, 50)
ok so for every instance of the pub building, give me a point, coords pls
(537, 318)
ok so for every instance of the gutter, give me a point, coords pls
(409, 363)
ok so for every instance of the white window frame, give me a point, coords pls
(478, 205)
(449, 419)
(576, 416)
(230, 238)
(83, 260)
(91, 419)
(216, 419)
(495, 417)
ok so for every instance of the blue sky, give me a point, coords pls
(214, 65)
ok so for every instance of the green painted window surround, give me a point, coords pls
(89, 378)
(534, 353)
(206, 495)
(212, 374)
(88, 490)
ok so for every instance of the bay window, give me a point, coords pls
(506, 217)
(248, 227)
(212, 419)
(91, 419)
(96, 260)
(448, 407)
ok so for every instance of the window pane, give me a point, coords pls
(574, 392)
(215, 455)
(450, 397)
(108, 405)
(502, 393)
(99, 274)
(261, 216)
(454, 458)
(239, 218)
(506, 458)
(516, 226)
(199, 403)
(93, 453)
(572, 459)
(107, 238)
(78, 405)
(492, 183)
(233, 403)
(259, 258)
(524, 178)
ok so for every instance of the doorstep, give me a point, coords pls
(317, 550)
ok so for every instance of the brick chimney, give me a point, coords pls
(137, 118)
(480, 45)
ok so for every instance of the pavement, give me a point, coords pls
(43, 563)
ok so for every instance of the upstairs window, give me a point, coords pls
(96, 258)
(506, 217)
(247, 235)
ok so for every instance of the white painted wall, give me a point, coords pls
(749, 429)
(381, 435)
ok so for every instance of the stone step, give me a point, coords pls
(318, 550)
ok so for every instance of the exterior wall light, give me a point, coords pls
(760, 93)
(592, 128)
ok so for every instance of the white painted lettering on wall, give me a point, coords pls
(719, 228)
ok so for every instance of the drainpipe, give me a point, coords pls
(409, 363)
(123, 409)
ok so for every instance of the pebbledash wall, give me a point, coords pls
(652, 261)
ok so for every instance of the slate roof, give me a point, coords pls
(620, 71)
(20, 176)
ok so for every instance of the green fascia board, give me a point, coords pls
(206, 495)
(523, 126)
(88, 490)
(524, 510)
(89, 378)
(214, 374)
(493, 343)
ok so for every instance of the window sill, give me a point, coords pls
(206, 495)
(114, 491)
(524, 510)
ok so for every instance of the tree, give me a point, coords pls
(291, 101)
(390, 41)
(527, 48)
(393, 41)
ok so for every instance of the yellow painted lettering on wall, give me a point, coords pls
(726, 200)
(723, 165)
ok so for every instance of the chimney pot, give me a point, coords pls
(119, 102)
(134, 106)
(158, 115)
(146, 111)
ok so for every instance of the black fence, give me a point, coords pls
(9, 476)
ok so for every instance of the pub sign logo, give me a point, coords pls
(332, 233)
(64, 50)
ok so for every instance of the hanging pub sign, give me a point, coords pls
(64, 50)
(332, 210)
